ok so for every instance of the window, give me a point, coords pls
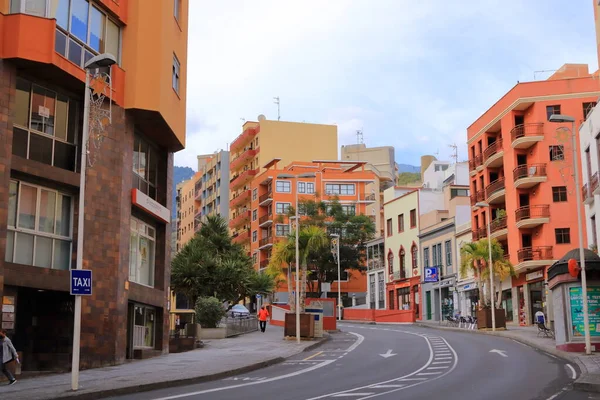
(434, 256)
(177, 9)
(390, 259)
(176, 67)
(448, 245)
(594, 233)
(557, 153)
(283, 187)
(401, 223)
(402, 261)
(301, 187)
(255, 258)
(31, 7)
(389, 227)
(282, 208)
(559, 194)
(45, 126)
(413, 218)
(145, 167)
(403, 298)
(254, 236)
(349, 209)
(563, 235)
(587, 108)
(182, 302)
(254, 215)
(426, 257)
(339, 189)
(438, 248)
(551, 110)
(254, 194)
(454, 192)
(391, 300)
(414, 255)
(39, 227)
(282, 230)
(142, 247)
(310, 188)
(144, 321)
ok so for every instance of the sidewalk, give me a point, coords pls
(589, 379)
(218, 359)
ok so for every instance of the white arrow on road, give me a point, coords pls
(501, 352)
(388, 354)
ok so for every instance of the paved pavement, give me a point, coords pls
(217, 359)
(392, 362)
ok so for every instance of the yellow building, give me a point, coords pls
(186, 211)
(212, 187)
(260, 143)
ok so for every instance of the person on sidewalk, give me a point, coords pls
(7, 354)
(263, 314)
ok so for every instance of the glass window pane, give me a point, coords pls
(150, 323)
(143, 160)
(136, 155)
(62, 254)
(152, 167)
(97, 23)
(12, 203)
(15, 6)
(47, 211)
(24, 249)
(27, 206)
(73, 122)
(40, 149)
(22, 103)
(42, 110)
(139, 316)
(20, 138)
(144, 260)
(62, 13)
(87, 56)
(133, 246)
(62, 105)
(79, 19)
(60, 43)
(64, 155)
(63, 219)
(112, 39)
(10, 243)
(35, 7)
(74, 52)
(43, 252)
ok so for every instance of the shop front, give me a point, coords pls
(142, 328)
(404, 295)
(468, 299)
(530, 290)
(436, 298)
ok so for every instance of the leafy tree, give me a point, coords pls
(404, 178)
(475, 258)
(209, 312)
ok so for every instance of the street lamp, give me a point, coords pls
(483, 204)
(295, 177)
(99, 61)
(339, 284)
(558, 118)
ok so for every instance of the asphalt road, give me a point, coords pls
(398, 362)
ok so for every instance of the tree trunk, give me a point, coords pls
(303, 290)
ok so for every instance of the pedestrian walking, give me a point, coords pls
(263, 315)
(7, 354)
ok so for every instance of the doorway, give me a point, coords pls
(521, 159)
(428, 303)
(519, 120)
(536, 298)
(523, 200)
(526, 240)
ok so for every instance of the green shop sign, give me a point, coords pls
(576, 298)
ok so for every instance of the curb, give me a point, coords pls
(181, 382)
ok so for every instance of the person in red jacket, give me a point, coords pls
(263, 315)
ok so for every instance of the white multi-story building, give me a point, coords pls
(589, 140)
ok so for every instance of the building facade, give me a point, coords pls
(521, 165)
(186, 211)
(467, 294)
(212, 186)
(272, 197)
(129, 184)
(376, 291)
(259, 144)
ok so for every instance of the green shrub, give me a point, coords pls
(209, 312)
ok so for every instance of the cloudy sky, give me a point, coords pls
(412, 74)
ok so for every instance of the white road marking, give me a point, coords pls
(352, 394)
(429, 373)
(501, 352)
(574, 374)
(387, 386)
(443, 358)
(360, 339)
(437, 367)
(413, 379)
(441, 362)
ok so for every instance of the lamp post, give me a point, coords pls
(295, 177)
(483, 204)
(558, 118)
(339, 270)
(99, 61)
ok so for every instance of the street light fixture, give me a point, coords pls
(558, 118)
(483, 204)
(295, 177)
(100, 61)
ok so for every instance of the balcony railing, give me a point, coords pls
(493, 187)
(265, 218)
(480, 195)
(535, 253)
(475, 235)
(241, 237)
(264, 264)
(399, 275)
(375, 264)
(244, 138)
(242, 178)
(266, 241)
(241, 218)
(498, 224)
(240, 199)
(368, 197)
(532, 212)
(529, 171)
(242, 159)
(265, 197)
(523, 130)
(594, 182)
(482, 232)
(492, 149)
(585, 192)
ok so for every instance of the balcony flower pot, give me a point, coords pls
(484, 318)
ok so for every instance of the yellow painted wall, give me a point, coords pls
(151, 38)
(187, 211)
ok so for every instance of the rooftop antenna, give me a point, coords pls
(535, 73)
(359, 140)
(278, 110)
(454, 154)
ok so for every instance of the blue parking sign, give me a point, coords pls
(431, 274)
(81, 282)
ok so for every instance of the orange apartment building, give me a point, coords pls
(520, 164)
(272, 197)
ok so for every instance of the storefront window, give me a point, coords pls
(144, 327)
(145, 167)
(141, 253)
(507, 304)
(403, 298)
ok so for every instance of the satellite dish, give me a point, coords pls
(261, 117)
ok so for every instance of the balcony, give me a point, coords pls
(594, 187)
(265, 242)
(532, 216)
(266, 220)
(532, 257)
(495, 191)
(526, 135)
(240, 219)
(493, 154)
(475, 235)
(246, 136)
(242, 159)
(529, 175)
(198, 214)
(586, 195)
(368, 198)
(482, 232)
(241, 179)
(265, 199)
(375, 264)
(264, 264)
(241, 199)
(241, 238)
(499, 228)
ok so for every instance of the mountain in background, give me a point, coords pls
(408, 168)
(180, 174)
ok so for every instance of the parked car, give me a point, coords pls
(239, 311)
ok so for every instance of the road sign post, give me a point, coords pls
(432, 274)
